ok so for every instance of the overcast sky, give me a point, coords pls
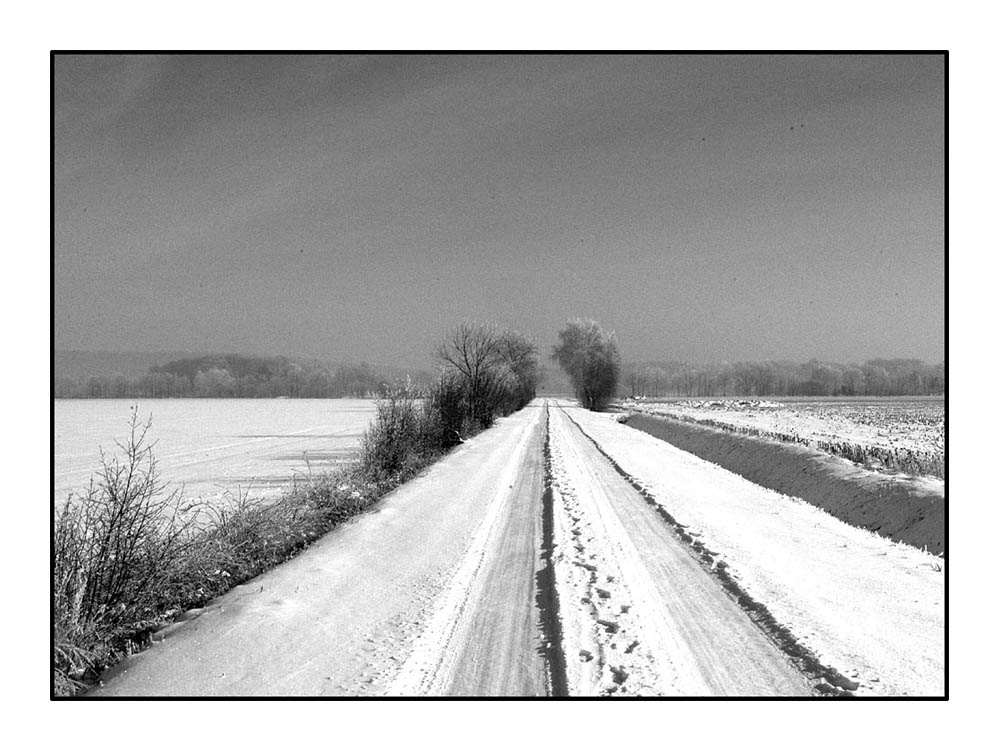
(348, 208)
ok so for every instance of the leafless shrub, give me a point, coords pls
(115, 547)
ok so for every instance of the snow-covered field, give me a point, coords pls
(666, 569)
(212, 446)
(891, 434)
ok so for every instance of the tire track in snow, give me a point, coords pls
(483, 636)
(547, 596)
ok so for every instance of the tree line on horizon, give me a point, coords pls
(877, 377)
(587, 354)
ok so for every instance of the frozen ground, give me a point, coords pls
(535, 559)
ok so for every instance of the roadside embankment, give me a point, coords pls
(902, 508)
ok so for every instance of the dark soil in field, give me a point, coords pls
(894, 506)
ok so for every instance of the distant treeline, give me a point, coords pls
(237, 376)
(814, 378)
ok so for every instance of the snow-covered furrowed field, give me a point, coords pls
(893, 434)
(563, 553)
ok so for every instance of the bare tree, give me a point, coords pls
(472, 350)
(499, 368)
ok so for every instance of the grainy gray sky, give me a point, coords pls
(349, 208)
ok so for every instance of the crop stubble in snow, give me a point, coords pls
(891, 434)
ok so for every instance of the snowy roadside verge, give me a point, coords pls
(902, 508)
(866, 606)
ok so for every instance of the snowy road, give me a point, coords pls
(687, 636)
(426, 595)
(526, 563)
